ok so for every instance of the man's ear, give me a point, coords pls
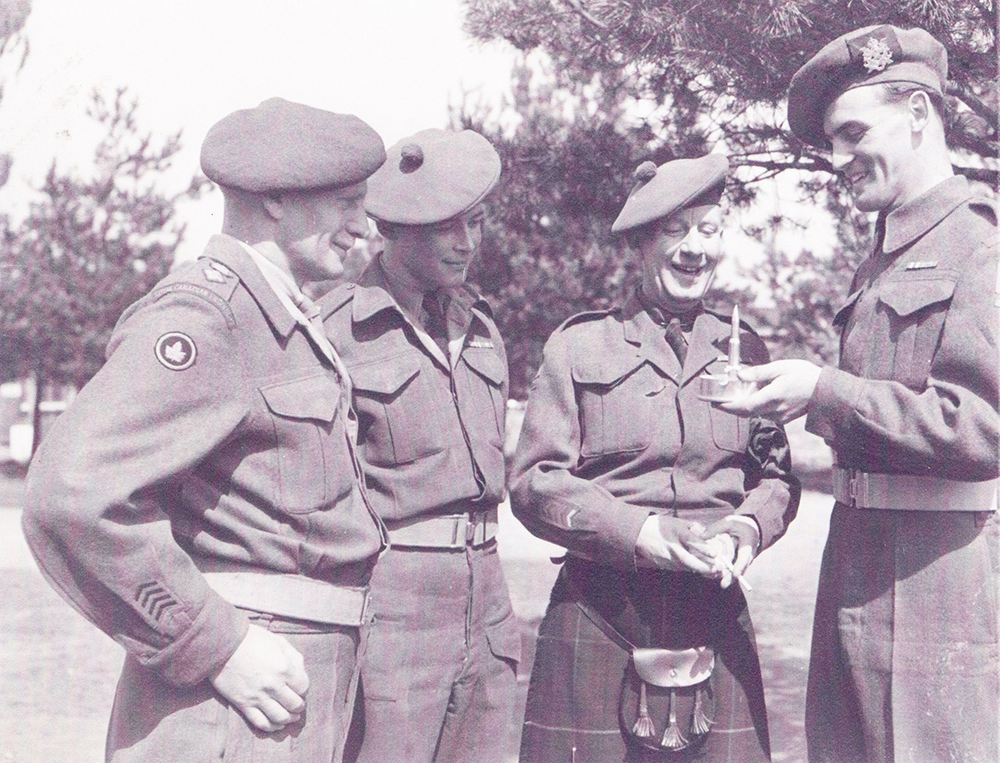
(274, 205)
(919, 104)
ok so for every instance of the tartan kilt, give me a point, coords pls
(577, 682)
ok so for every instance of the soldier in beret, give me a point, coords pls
(659, 499)
(200, 501)
(430, 389)
(905, 651)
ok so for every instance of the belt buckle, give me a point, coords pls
(470, 530)
(852, 487)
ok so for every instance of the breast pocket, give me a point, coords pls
(395, 410)
(484, 387)
(310, 449)
(617, 403)
(915, 305)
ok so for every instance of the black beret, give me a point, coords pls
(432, 176)
(662, 190)
(280, 145)
(863, 57)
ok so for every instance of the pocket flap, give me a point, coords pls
(486, 363)
(386, 375)
(504, 638)
(907, 295)
(605, 370)
(316, 397)
(674, 667)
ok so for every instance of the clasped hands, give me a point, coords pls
(721, 551)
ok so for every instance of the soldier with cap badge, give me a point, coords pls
(200, 501)
(430, 388)
(646, 651)
(905, 659)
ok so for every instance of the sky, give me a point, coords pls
(397, 64)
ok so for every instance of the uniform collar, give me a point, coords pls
(703, 342)
(376, 294)
(904, 225)
(229, 251)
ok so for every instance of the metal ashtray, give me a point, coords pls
(721, 388)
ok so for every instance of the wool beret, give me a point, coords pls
(863, 57)
(659, 191)
(432, 176)
(280, 146)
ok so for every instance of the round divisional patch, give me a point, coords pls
(175, 350)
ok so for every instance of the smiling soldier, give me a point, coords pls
(622, 463)
(430, 389)
(199, 501)
(905, 653)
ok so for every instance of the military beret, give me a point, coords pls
(432, 176)
(658, 191)
(280, 145)
(863, 57)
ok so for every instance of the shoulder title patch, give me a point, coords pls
(175, 351)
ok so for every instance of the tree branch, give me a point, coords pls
(982, 174)
(578, 7)
(971, 100)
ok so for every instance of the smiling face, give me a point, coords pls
(438, 254)
(873, 147)
(316, 229)
(679, 255)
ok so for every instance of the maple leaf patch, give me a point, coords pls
(175, 351)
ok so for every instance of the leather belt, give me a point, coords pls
(910, 492)
(445, 531)
(287, 595)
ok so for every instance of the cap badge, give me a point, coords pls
(877, 55)
(175, 351)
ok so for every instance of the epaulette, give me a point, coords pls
(588, 315)
(335, 299)
(205, 278)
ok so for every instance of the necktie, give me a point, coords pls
(314, 328)
(675, 338)
(435, 323)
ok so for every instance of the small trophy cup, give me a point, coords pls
(720, 388)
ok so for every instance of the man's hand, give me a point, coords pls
(735, 542)
(265, 679)
(670, 544)
(789, 384)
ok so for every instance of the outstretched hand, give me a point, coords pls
(265, 679)
(787, 388)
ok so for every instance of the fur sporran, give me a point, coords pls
(667, 703)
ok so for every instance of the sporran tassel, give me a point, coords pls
(699, 721)
(643, 726)
(672, 737)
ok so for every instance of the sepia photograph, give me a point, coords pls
(526, 381)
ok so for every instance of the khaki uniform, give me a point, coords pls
(214, 443)
(613, 432)
(439, 676)
(905, 645)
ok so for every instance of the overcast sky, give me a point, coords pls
(395, 63)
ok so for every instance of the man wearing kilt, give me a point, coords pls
(646, 651)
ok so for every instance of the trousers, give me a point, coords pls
(153, 721)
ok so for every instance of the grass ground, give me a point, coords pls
(57, 672)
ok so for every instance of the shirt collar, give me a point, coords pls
(912, 220)
(287, 291)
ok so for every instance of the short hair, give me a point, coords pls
(898, 92)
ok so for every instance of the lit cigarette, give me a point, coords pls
(739, 578)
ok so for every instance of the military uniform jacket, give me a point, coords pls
(213, 430)
(430, 434)
(917, 387)
(614, 431)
